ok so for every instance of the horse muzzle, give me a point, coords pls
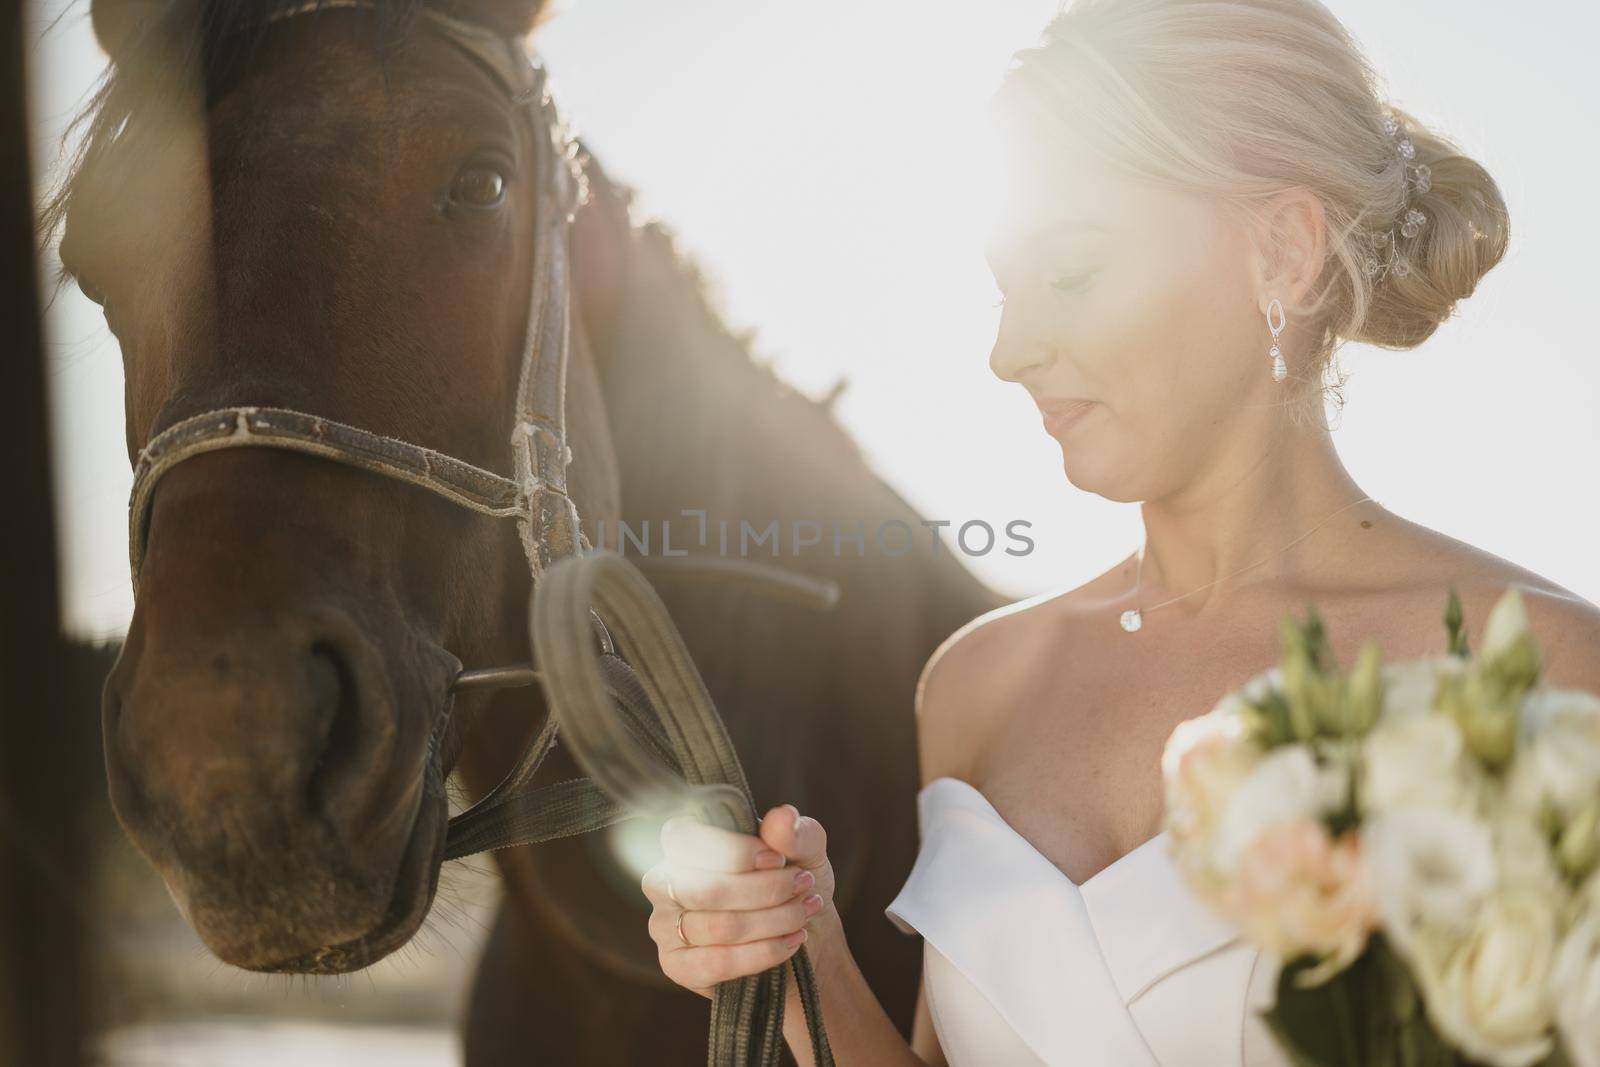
(270, 770)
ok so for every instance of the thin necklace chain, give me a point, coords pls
(1139, 581)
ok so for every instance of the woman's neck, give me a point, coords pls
(1241, 513)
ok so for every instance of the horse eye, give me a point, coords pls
(479, 187)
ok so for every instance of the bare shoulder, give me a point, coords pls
(971, 681)
(1566, 625)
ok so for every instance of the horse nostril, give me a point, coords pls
(338, 705)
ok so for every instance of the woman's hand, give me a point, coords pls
(745, 900)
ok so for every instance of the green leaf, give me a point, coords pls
(1370, 1014)
(1317, 1027)
(1454, 625)
(1557, 1058)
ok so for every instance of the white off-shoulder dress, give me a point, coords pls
(1021, 966)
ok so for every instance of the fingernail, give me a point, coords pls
(796, 811)
(767, 859)
(813, 903)
(803, 879)
(795, 938)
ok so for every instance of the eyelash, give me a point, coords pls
(1061, 285)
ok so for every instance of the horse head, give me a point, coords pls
(334, 213)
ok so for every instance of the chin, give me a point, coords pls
(1092, 475)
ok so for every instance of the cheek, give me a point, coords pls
(1174, 332)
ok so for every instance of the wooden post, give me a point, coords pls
(43, 881)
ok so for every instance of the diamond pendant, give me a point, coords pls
(1131, 620)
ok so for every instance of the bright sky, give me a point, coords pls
(824, 162)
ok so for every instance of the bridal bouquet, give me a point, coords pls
(1418, 844)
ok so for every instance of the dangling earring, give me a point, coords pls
(1280, 369)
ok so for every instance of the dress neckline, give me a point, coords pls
(1104, 872)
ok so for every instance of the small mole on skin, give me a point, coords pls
(1366, 524)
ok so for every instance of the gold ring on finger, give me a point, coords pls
(679, 925)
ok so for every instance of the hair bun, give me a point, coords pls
(1464, 236)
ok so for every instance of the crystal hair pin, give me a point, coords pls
(1418, 180)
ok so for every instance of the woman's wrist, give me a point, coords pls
(858, 1029)
(826, 945)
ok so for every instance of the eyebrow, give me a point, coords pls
(1069, 226)
(993, 251)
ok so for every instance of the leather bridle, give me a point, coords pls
(637, 718)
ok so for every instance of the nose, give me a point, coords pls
(1015, 352)
(255, 766)
(253, 731)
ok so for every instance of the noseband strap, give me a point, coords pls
(639, 719)
(457, 481)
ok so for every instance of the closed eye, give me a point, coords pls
(1071, 283)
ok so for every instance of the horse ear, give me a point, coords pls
(513, 18)
(118, 23)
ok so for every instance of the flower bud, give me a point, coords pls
(1578, 847)
(1510, 653)
(1516, 667)
(1454, 625)
(1487, 720)
(1364, 692)
(1507, 620)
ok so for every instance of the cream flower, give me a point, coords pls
(1575, 987)
(1523, 855)
(1286, 785)
(1409, 687)
(1202, 766)
(1561, 709)
(1558, 761)
(1491, 996)
(1431, 870)
(1297, 891)
(1419, 760)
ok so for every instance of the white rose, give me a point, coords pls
(1491, 998)
(1419, 760)
(1565, 709)
(1523, 854)
(1575, 987)
(1283, 786)
(1431, 869)
(1560, 763)
(1202, 765)
(1408, 687)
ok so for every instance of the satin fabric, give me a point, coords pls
(1023, 966)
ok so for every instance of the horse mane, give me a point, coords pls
(700, 419)
(672, 296)
(691, 393)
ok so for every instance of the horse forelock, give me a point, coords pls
(170, 55)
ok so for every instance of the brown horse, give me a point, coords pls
(334, 213)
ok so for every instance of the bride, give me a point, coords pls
(1204, 199)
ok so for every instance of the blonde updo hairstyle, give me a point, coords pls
(1242, 99)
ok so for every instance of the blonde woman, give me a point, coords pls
(1207, 197)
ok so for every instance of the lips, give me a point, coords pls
(1060, 414)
